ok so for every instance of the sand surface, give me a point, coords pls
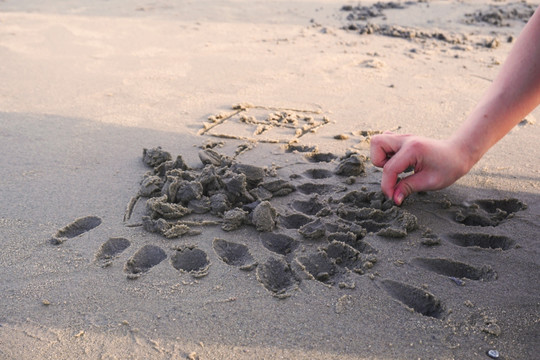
(269, 239)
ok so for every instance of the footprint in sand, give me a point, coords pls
(75, 228)
(143, 260)
(111, 249)
(415, 298)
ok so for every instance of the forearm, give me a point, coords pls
(514, 94)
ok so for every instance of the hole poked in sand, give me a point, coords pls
(319, 266)
(110, 249)
(75, 228)
(415, 298)
(143, 260)
(485, 241)
(191, 260)
(346, 256)
(321, 157)
(294, 221)
(318, 173)
(509, 206)
(457, 269)
(279, 243)
(488, 212)
(310, 188)
(277, 277)
(234, 254)
(309, 207)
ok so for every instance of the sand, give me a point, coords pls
(190, 180)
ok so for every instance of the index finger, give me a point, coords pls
(395, 166)
(383, 147)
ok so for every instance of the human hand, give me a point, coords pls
(437, 163)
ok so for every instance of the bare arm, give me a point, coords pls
(438, 164)
(514, 94)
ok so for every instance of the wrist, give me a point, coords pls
(467, 152)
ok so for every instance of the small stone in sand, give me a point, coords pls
(341, 137)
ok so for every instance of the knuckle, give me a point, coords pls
(416, 145)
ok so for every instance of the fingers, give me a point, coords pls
(391, 170)
(408, 185)
(395, 153)
(384, 146)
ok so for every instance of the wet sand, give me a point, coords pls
(192, 181)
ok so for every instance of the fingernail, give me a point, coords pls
(399, 198)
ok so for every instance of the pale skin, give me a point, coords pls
(437, 164)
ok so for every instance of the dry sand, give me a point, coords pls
(314, 264)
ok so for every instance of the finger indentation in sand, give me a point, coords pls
(111, 249)
(278, 187)
(301, 148)
(482, 240)
(234, 254)
(319, 266)
(318, 173)
(143, 260)
(77, 227)
(353, 240)
(279, 243)
(321, 189)
(320, 157)
(457, 269)
(393, 222)
(277, 277)
(509, 206)
(488, 212)
(346, 256)
(294, 221)
(192, 260)
(313, 230)
(341, 229)
(415, 298)
(309, 207)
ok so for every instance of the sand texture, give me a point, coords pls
(191, 180)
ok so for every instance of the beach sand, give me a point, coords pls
(278, 243)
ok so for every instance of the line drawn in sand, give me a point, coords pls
(281, 125)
